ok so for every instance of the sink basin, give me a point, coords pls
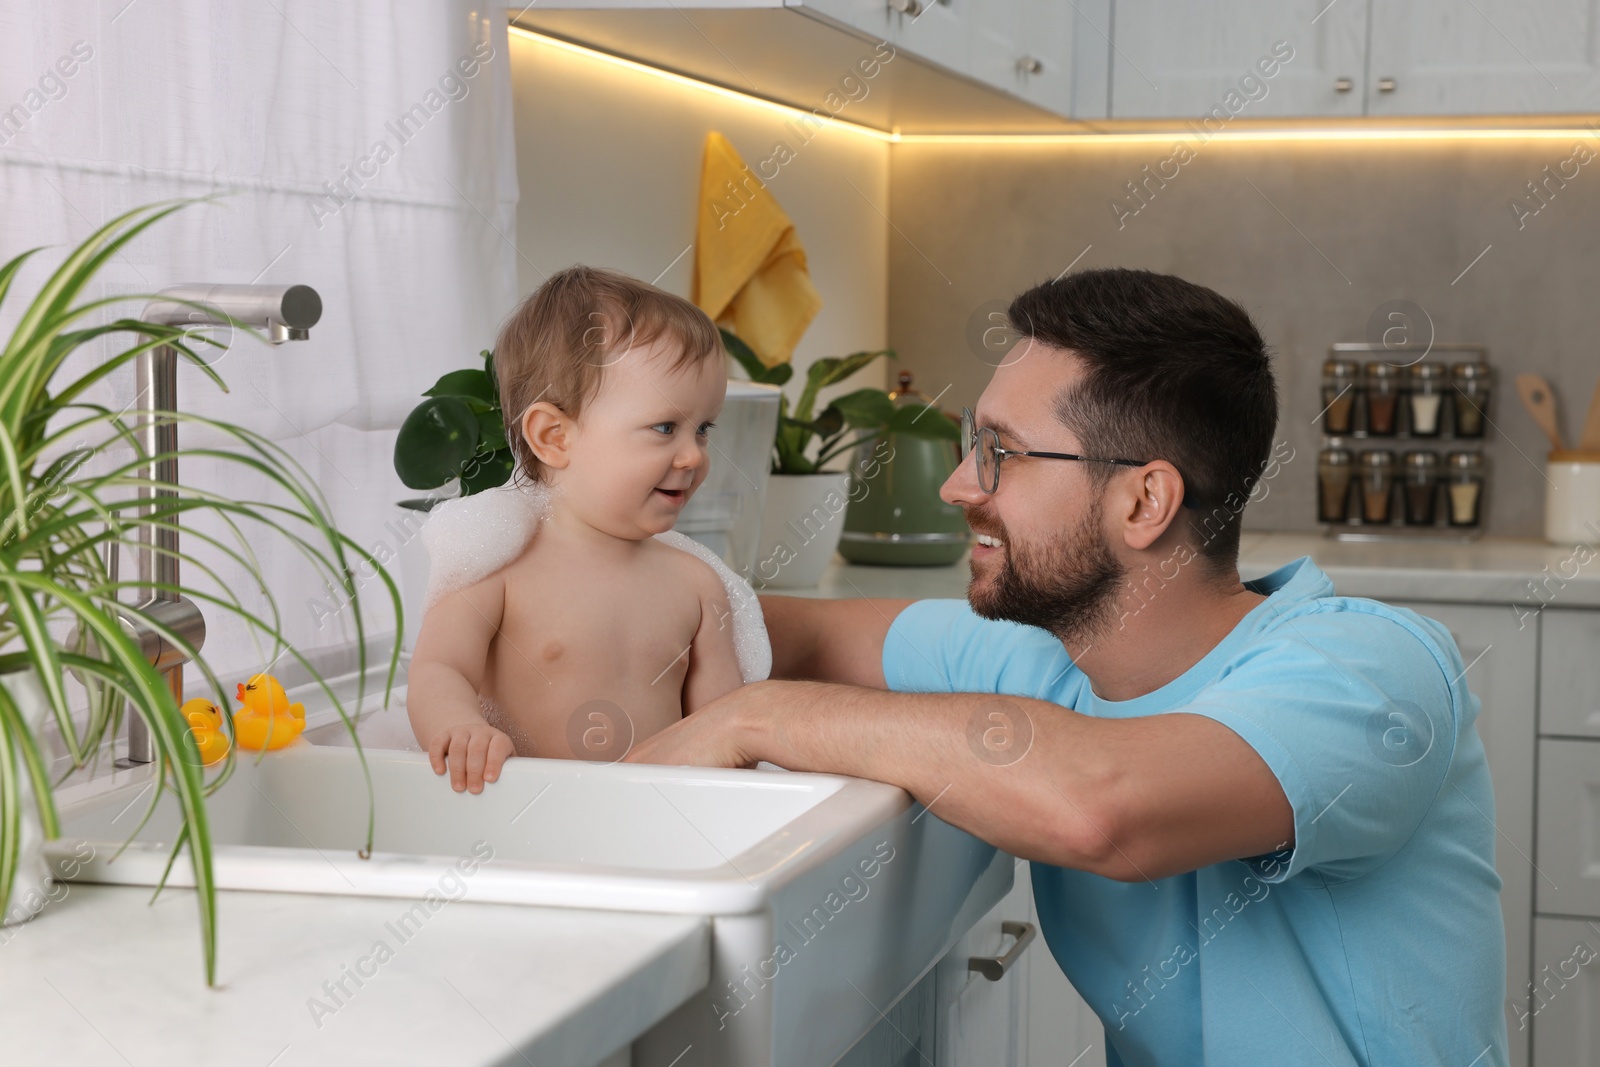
(830, 896)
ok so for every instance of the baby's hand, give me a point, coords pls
(473, 753)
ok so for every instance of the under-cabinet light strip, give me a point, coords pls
(786, 110)
(1191, 130)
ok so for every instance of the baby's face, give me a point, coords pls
(641, 447)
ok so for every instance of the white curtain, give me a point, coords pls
(364, 149)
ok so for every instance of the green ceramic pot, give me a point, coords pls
(895, 516)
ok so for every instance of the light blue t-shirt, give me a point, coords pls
(1377, 938)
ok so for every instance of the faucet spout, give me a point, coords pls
(285, 313)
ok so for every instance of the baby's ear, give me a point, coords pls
(545, 429)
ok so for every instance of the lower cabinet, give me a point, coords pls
(1563, 1007)
(1028, 1016)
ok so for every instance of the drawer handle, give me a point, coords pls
(1386, 85)
(994, 968)
(1344, 85)
(1029, 65)
(906, 7)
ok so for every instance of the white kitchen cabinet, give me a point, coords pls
(1062, 1030)
(1445, 57)
(1502, 669)
(1569, 673)
(1049, 53)
(1182, 60)
(1569, 812)
(1028, 48)
(982, 1021)
(935, 30)
(1563, 1012)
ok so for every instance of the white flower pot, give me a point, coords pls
(800, 529)
(30, 891)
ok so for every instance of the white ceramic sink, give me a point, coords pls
(830, 895)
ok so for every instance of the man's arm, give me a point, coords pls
(1130, 799)
(829, 640)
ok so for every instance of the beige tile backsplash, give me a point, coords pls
(1311, 237)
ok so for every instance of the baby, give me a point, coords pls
(599, 633)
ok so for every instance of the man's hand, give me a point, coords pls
(713, 736)
(472, 753)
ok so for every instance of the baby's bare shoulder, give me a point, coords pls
(695, 572)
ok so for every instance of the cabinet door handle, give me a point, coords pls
(994, 968)
(1343, 85)
(906, 7)
(1029, 65)
(1386, 85)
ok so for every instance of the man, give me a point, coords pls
(1258, 814)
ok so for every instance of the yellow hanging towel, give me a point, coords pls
(749, 266)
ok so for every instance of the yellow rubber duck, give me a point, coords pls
(267, 721)
(205, 722)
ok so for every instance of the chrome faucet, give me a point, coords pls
(286, 313)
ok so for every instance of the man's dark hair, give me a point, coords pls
(1173, 371)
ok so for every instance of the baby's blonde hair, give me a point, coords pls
(556, 344)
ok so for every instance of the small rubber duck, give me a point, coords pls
(205, 723)
(267, 721)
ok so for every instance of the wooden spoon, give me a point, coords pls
(1590, 441)
(1540, 401)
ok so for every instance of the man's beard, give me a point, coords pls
(1067, 586)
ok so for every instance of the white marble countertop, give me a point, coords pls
(102, 977)
(1488, 571)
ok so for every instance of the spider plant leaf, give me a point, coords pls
(33, 627)
(10, 811)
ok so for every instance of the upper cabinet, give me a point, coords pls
(957, 66)
(1050, 53)
(1354, 58)
(1486, 57)
(1226, 59)
(1042, 66)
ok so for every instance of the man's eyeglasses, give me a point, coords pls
(985, 442)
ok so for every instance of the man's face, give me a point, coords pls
(1054, 567)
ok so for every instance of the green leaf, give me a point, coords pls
(435, 442)
(830, 422)
(465, 383)
(866, 408)
(488, 368)
(491, 430)
(486, 471)
(743, 354)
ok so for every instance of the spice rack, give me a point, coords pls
(1402, 442)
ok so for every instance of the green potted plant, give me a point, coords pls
(56, 518)
(805, 504)
(457, 432)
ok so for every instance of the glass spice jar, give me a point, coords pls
(1377, 485)
(1333, 485)
(1464, 481)
(1426, 399)
(1341, 383)
(1470, 397)
(1420, 487)
(1382, 387)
